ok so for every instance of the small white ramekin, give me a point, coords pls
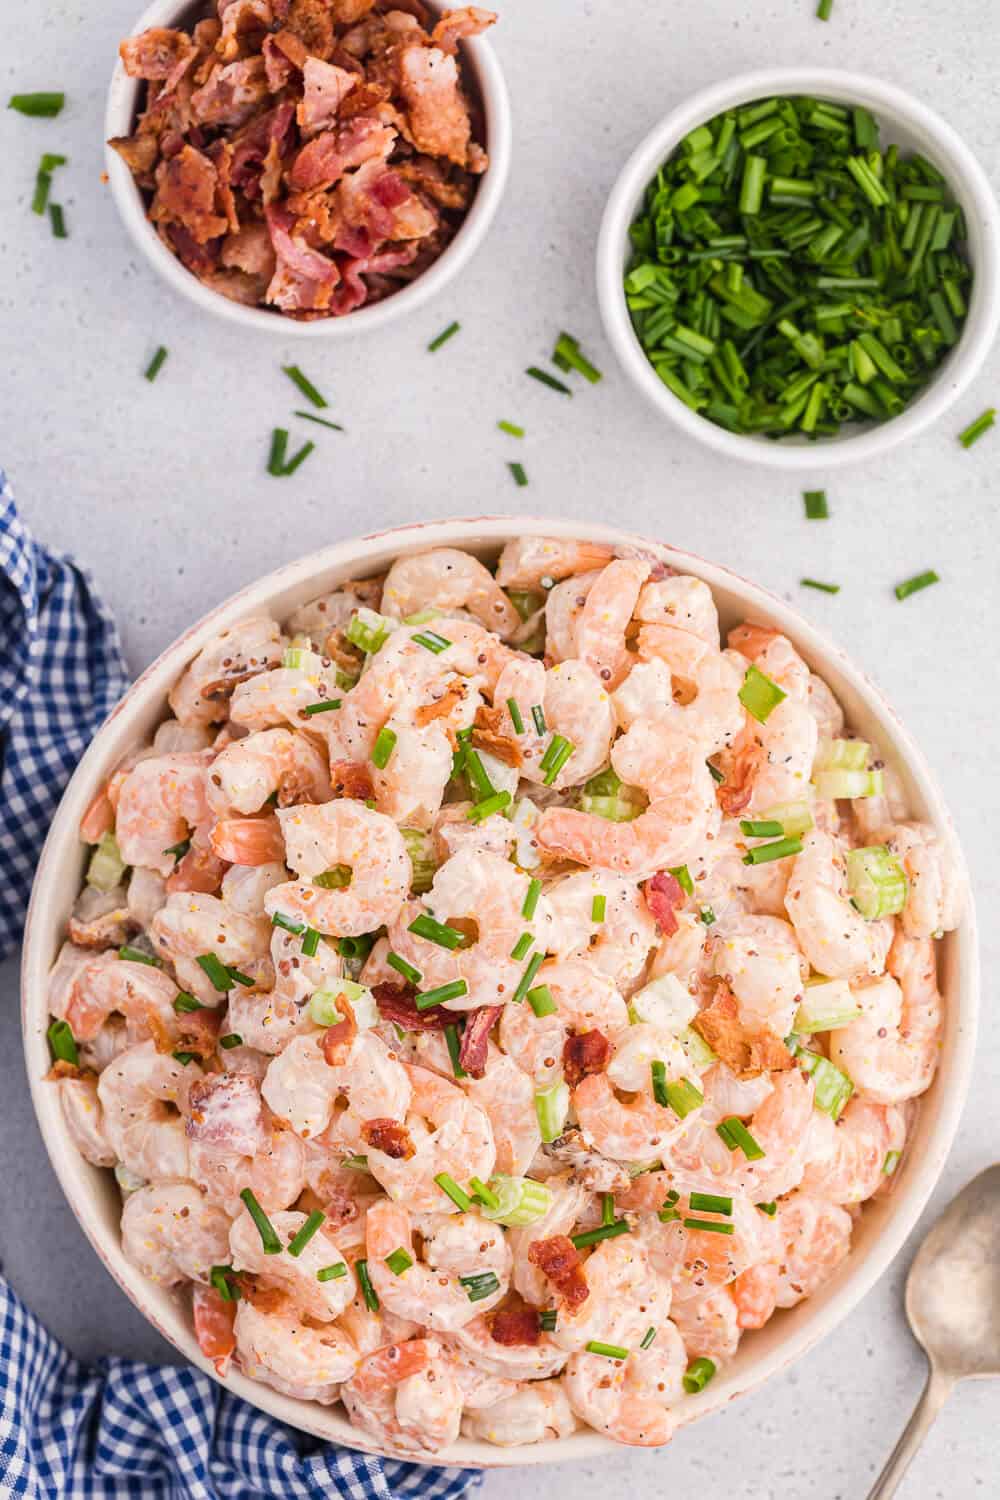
(123, 103)
(905, 122)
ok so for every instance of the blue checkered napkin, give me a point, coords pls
(126, 1431)
(61, 673)
(119, 1431)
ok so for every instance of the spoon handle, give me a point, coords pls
(935, 1394)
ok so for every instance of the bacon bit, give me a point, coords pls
(476, 1039)
(198, 1032)
(390, 1137)
(62, 1069)
(214, 1326)
(310, 20)
(558, 1259)
(486, 736)
(164, 1037)
(266, 1299)
(585, 1052)
(99, 818)
(225, 1111)
(428, 712)
(739, 767)
(455, 24)
(248, 841)
(397, 1002)
(337, 1039)
(292, 46)
(201, 869)
(746, 1053)
(351, 779)
(515, 1324)
(664, 893)
(159, 53)
(186, 188)
(751, 640)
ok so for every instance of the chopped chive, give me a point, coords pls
(476, 772)
(432, 931)
(279, 447)
(62, 1043)
(527, 979)
(288, 923)
(816, 506)
(607, 1208)
(707, 915)
(511, 428)
(648, 1338)
(399, 1261)
(522, 946)
(598, 908)
(230, 1040)
(305, 385)
(541, 1001)
(443, 337)
(41, 105)
(332, 1273)
(488, 806)
(216, 971)
(481, 1286)
(358, 947)
(409, 973)
(300, 1240)
(595, 1236)
(183, 1058)
(239, 978)
(824, 588)
(368, 1292)
(355, 1163)
(308, 416)
(486, 1196)
(914, 585)
(515, 716)
(179, 850)
(448, 1185)
(683, 1096)
(268, 1237)
(538, 716)
(682, 875)
(156, 364)
(557, 753)
(185, 1004)
(568, 350)
(431, 641)
(709, 1225)
(976, 429)
(385, 744)
(297, 459)
(709, 1203)
(890, 1163)
(454, 1050)
(715, 773)
(547, 379)
(138, 956)
(768, 1208)
(823, 9)
(658, 1071)
(547, 1319)
(759, 695)
(700, 1371)
(763, 854)
(453, 991)
(611, 1351)
(311, 709)
(738, 1138)
(221, 1278)
(43, 181)
(767, 828)
(518, 473)
(310, 943)
(531, 899)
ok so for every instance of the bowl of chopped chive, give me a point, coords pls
(889, 1216)
(800, 267)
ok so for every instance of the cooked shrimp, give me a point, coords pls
(283, 695)
(875, 817)
(296, 1275)
(234, 655)
(171, 1234)
(774, 655)
(298, 975)
(273, 762)
(619, 944)
(301, 1086)
(159, 802)
(891, 1051)
(600, 628)
(705, 685)
(832, 934)
(107, 984)
(563, 605)
(409, 790)
(575, 705)
(585, 999)
(847, 1160)
(430, 1291)
(935, 882)
(506, 1095)
(815, 1236)
(142, 1093)
(448, 579)
(84, 1116)
(769, 764)
(531, 561)
(569, 1201)
(245, 886)
(454, 830)
(682, 809)
(511, 1361)
(683, 602)
(280, 1347)
(335, 610)
(448, 1132)
(192, 925)
(708, 1323)
(406, 1397)
(344, 834)
(824, 708)
(534, 1411)
(759, 959)
(637, 1129)
(630, 1399)
(275, 1174)
(625, 1297)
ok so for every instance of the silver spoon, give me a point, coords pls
(953, 1304)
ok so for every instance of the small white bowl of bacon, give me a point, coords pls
(287, 163)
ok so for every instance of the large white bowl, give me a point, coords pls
(92, 1193)
(905, 122)
(124, 95)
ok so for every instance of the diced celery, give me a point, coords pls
(552, 1108)
(520, 1201)
(795, 817)
(833, 784)
(106, 866)
(699, 1053)
(420, 848)
(842, 755)
(301, 659)
(666, 1003)
(827, 1005)
(877, 882)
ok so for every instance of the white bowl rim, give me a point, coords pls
(886, 100)
(119, 116)
(150, 687)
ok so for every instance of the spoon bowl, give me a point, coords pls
(953, 1289)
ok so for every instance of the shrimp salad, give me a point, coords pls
(494, 994)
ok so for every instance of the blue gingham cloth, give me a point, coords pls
(118, 1430)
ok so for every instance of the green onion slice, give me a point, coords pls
(305, 385)
(759, 695)
(301, 1238)
(62, 1043)
(266, 1230)
(443, 337)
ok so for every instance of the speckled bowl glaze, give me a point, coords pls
(885, 1223)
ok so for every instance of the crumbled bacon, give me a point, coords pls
(391, 1137)
(397, 1002)
(325, 159)
(515, 1324)
(350, 778)
(559, 1260)
(198, 1032)
(442, 706)
(476, 1038)
(225, 1111)
(337, 1039)
(186, 189)
(325, 87)
(231, 94)
(304, 279)
(747, 1053)
(311, 22)
(159, 53)
(664, 893)
(585, 1052)
(486, 736)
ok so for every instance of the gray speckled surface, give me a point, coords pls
(162, 490)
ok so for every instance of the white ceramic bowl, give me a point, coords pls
(480, 63)
(905, 122)
(92, 1193)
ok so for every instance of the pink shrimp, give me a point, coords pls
(273, 761)
(600, 628)
(448, 1132)
(815, 1236)
(406, 1397)
(171, 1234)
(447, 579)
(526, 562)
(430, 1291)
(201, 695)
(342, 835)
(847, 1160)
(192, 925)
(630, 1399)
(160, 801)
(107, 984)
(278, 1345)
(891, 1051)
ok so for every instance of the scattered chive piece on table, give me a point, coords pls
(443, 337)
(308, 416)
(42, 105)
(567, 354)
(58, 222)
(156, 364)
(279, 447)
(511, 428)
(43, 181)
(297, 459)
(301, 1238)
(549, 380)
(976, 429)
(824, 588)
(305, 385)
(914, 585)
(823, 9)
(816, 506)
(520, 477)
(266, 1230)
